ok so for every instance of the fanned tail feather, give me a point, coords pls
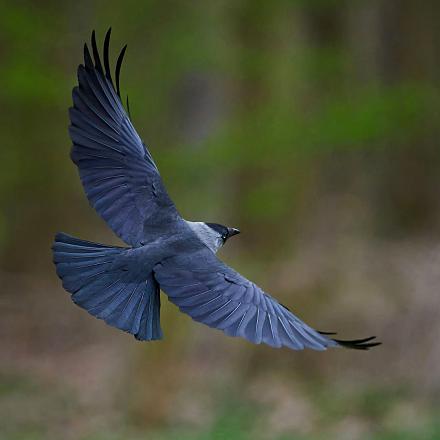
(92, 273)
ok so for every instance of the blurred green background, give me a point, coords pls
(312, 126)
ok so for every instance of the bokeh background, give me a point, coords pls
(314, 127)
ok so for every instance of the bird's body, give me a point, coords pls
(121, 285)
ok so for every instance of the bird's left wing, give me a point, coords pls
(214, 294)
(118, 173)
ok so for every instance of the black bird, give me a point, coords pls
(121, 285)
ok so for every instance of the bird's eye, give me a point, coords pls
(224, 237)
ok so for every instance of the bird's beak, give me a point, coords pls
(233, 231)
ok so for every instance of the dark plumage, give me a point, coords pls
(121, 285)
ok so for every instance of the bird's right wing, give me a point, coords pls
(214, 294)
(118, 173)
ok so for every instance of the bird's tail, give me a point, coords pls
(106, 288)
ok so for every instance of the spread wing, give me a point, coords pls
(214, 294)
(118, 173)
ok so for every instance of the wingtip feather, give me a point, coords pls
(106, 55)
(118, 69)
(358, 344)
(96, 57)
(87, 58)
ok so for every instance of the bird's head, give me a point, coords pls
(212, 235)
(222, 232)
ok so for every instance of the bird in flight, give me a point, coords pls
(121, 285)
